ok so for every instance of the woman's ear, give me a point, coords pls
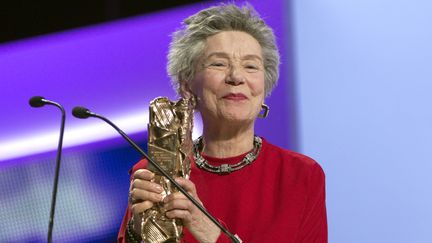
(185, 90)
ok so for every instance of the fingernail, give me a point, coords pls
(159, 188)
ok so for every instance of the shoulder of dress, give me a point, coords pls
(274, 151)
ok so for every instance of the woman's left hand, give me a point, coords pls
(179, 206)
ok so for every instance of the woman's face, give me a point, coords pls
(229, 82)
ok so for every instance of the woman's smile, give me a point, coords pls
(235, 97)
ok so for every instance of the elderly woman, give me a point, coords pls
(226, 57)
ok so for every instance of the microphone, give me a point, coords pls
(39, 101)
(84, 113)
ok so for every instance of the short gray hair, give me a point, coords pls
(188, 43)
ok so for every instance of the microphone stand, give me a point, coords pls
(87, 113)
(56, 175)
(36, 102)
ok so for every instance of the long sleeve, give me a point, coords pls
(313, 228)
(128, 213)
(121, 238)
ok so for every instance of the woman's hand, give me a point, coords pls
(142, 195)
(178, 206)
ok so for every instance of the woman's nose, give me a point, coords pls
(235, 76)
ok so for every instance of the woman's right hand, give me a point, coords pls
(142, 194)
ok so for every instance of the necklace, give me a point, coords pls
(225, 168)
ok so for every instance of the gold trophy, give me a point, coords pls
(170, 145)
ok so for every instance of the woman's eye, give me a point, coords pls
(252, 67)
(217, 64)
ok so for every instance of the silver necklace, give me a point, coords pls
(225, 168)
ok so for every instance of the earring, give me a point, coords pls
(266, 109)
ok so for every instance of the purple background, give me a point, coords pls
(114, 69)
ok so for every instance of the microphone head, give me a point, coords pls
(37, 101)
(81, 112)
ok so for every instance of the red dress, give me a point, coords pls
(280, 197)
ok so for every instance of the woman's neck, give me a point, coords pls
(224, 142)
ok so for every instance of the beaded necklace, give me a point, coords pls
(225, 168)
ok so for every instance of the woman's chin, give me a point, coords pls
(236, 118)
